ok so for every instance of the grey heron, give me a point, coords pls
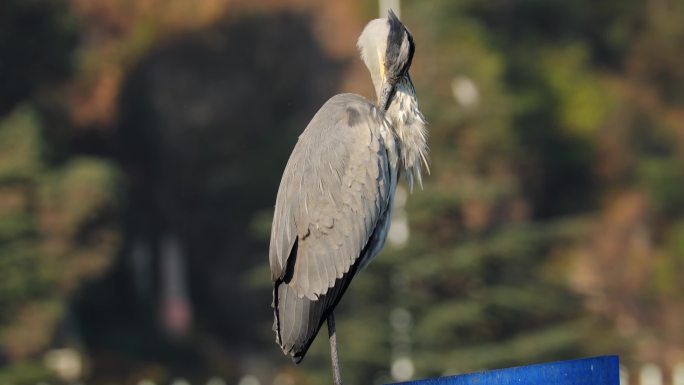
(334, 202)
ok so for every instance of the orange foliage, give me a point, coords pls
(116, 32)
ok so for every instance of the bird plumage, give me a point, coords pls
(335, 193)
(334, 202)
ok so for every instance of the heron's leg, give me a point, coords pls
(337, 379)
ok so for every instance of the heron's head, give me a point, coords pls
(387, 48)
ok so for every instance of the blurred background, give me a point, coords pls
(142, 143)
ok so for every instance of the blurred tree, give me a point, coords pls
(634, 267)
(37, 38)
(57, 220)
(57, 226)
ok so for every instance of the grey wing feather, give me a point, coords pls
(331, 216)
(297, 320)
(334, 189)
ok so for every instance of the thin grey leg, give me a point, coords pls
(337, 378)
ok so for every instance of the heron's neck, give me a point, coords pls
(409, 127)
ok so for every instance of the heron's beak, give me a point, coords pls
(385, 95)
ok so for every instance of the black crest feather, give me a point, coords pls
(397, 65)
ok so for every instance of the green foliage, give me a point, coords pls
(656, 175)
(51, 237)
(20, 168)
(583, 100)
(82, 188)
(26, 373)
(21, 146)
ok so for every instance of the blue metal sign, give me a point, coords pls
(604, 370)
